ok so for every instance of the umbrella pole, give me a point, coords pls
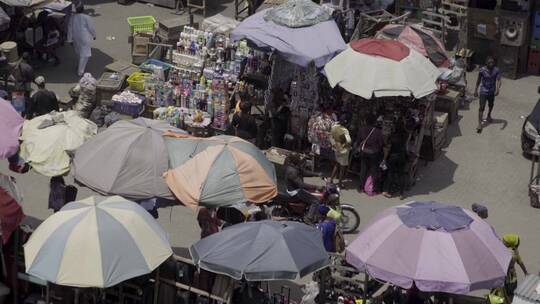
(156, 287)
(365, 287)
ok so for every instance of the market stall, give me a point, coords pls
(394, 86)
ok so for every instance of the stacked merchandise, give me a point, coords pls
(304, 98)
(533, 66)
(128, 103)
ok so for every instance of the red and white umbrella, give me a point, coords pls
(382, 68)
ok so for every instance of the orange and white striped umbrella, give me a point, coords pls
(218, 171)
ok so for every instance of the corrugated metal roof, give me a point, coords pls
(527, 289)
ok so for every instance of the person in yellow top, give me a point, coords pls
(341, 143)
(512, 242)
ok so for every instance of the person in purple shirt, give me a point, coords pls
(488, 85)
(328, 228)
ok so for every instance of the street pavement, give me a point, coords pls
(486, 168)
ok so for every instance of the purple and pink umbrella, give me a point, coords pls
(10, 129)
(437, 247)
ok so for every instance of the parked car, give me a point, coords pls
(531, 130)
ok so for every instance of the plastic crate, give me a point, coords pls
(132, 109)
(144, 66)
(136, 81)
(142, 24)
(535, 44)
(536, 31)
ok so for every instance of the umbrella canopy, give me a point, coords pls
(318, 43)
(262, 251)
(218, 171)
(127, 159)
(297, 13)
(438, 247)
(421, 40)
(381, 68)
(11, 213)
(96, 242)
(11, 124)
(47, 139)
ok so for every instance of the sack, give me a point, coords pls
(339, 240)
(71, 193)
(369, 186)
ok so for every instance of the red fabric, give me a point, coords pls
(11, 214)
(390, 49)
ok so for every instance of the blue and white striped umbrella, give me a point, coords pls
(96, 242)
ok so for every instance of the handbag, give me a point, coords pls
(363, 148)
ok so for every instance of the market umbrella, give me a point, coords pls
(11, 124)
(218, 171)
(297, 13)
(96, 242)
(438, 247)
(11, 212)
(47, 140)
(262, 251)
(127, 159)
(421, 40)
(381, 68)
(317, 43)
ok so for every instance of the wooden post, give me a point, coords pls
(14, 270)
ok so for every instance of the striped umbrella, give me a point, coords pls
(438, 247)
(218, 171)
(96, 242)
(419, 39)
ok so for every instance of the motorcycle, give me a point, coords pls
(296, 210)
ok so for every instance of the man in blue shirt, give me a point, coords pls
(328, 228)
(487, 86)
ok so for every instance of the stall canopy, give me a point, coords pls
(421, 40)
(11, 124)
(299, 30)
(381, 68)
(436, 247)
(262, 251)
(218, 171)
(96, 242)
(48, 140)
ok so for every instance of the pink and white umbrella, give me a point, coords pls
(421, 40)
(381, 68)
(10, 129)
(438, 247)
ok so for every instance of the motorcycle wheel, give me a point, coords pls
(350, 219)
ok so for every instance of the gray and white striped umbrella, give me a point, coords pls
(96, 242)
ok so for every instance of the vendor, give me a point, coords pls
(43, 101)
(279, 116)
(512, 242)
(395, 161)
(46, 47)
(369, 146)
(243, 122)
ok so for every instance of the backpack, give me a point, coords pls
(339, 240)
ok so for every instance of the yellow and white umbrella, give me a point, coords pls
(96, 242)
